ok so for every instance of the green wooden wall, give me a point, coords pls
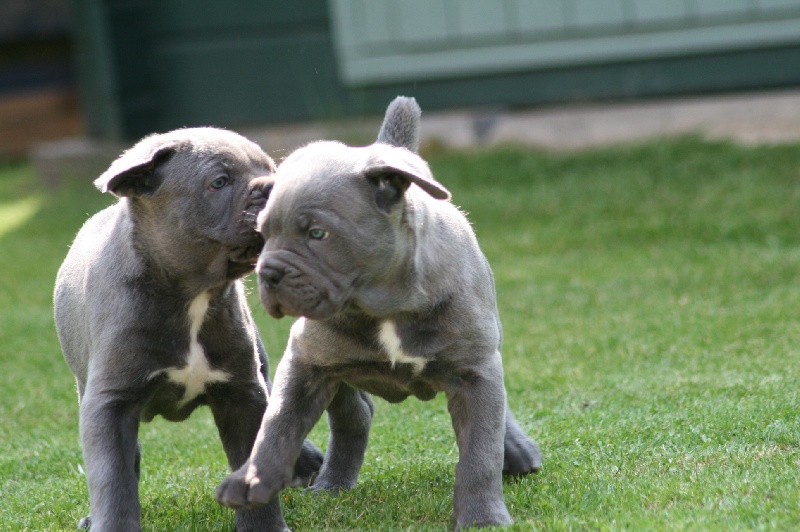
(381, 41)
(153, 65)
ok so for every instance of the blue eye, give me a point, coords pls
(318, 234)
(219, 183)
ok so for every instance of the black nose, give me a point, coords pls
(271, 276)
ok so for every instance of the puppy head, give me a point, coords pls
(336, 230)
(194, 195)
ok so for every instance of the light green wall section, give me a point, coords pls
(384, 41)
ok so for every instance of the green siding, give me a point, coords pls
(436, 39)
(151, 65)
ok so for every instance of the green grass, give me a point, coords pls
(650, 297)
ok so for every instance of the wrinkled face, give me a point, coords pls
(206, 203)
(326, 241)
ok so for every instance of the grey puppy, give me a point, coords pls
(152, 317)
(396, 299)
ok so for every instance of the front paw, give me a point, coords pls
(521, 455)
(243, 489)
(481, 514)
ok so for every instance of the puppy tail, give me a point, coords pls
(401, 124)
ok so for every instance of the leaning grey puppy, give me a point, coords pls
(152, 317)
(396, 299)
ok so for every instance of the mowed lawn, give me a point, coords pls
(650, 296)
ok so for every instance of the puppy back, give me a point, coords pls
(401, 124)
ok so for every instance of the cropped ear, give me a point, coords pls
(392, 170)
(132, 173)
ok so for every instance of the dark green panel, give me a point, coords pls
(96, 69)
(113, 57)
(248, 82)
(173, 17)
(745, 70)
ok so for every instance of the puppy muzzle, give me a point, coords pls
(286, 290)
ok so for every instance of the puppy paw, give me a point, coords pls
(482, 515)
(243, 490)
(85, 523)
(307, 466)
(521, 455)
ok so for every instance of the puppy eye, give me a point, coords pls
(318, 234)
(219, 183)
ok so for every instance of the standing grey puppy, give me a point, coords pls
(152, 316)
(396, 299)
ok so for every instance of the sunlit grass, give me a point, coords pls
(649, 297)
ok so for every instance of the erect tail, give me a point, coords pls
(401, 124)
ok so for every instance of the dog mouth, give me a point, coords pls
(279, 304)
(316, 312)
(246, 255)
(242, 259)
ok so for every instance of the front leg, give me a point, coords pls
(310, 460)
(109, 431)
(477, 409)
(238, 411)
(299, 396)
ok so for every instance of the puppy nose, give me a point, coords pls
(271, 276)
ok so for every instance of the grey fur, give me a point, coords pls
(123, 299)
(401, 124)
(396, 299)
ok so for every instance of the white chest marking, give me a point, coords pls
(393, 347)
(196, 373)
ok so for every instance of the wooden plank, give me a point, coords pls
(536, 17)
(36, 116)
(422, 21)
(479, 18)
(379, 26)
(770, 7)
(714, 9)
(652, 12)
(590, 14)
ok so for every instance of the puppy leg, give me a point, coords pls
(310, 459)
(521, 454)
(349, 416)
(299, 396)
(237, 412)
(477, 408)
(110, 448)
(86, 522)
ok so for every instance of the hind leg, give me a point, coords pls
(350, 417)
(521, 455)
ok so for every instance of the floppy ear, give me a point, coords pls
(132, 174)
(392, 170)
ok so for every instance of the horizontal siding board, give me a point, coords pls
(479, 18)
(646, 12)
(599, 13)
(422, 21)
(714, 8)
(377, 26)
(540, 16)
(777, 6)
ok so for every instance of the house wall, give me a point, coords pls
(149, 65)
